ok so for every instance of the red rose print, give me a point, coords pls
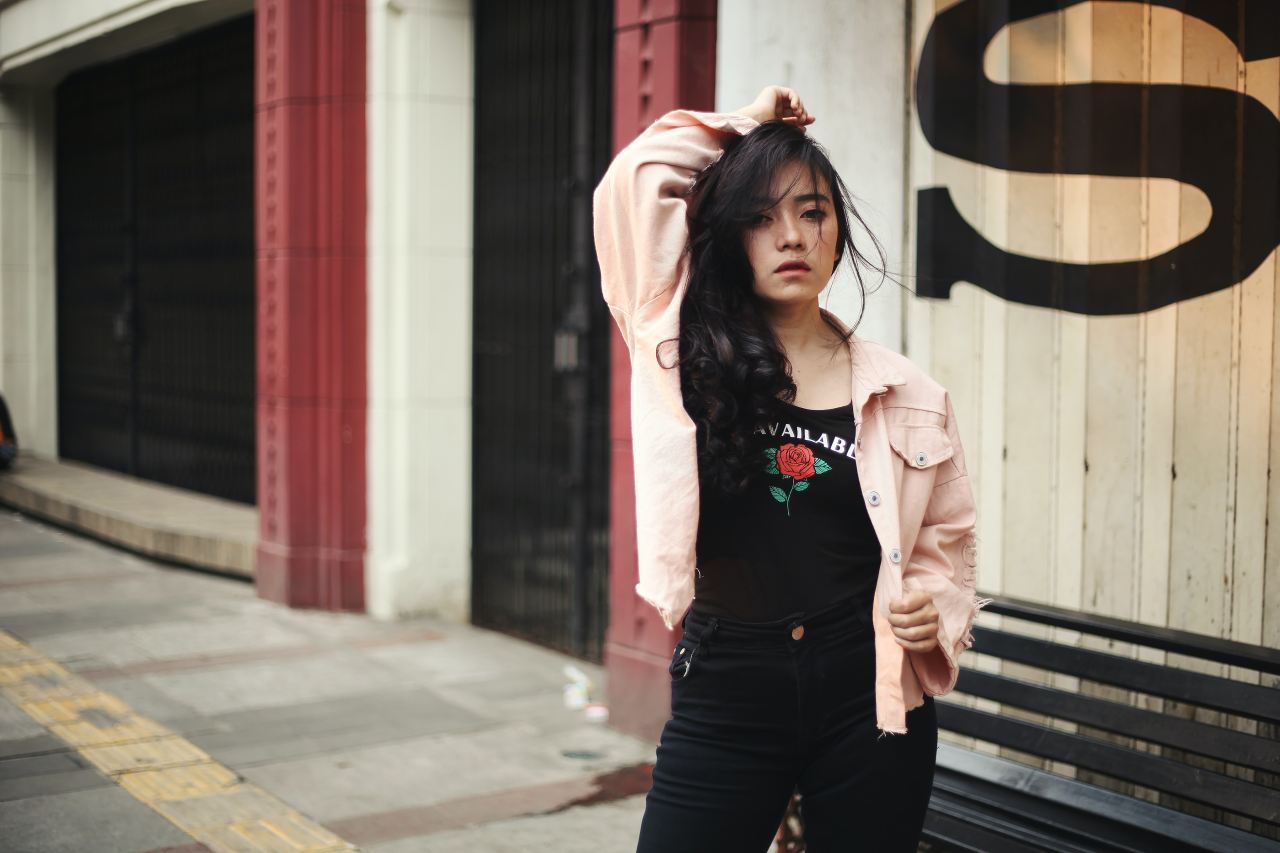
(795, 461)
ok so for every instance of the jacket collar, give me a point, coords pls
(872, 374)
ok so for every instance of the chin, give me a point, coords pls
(794, 293)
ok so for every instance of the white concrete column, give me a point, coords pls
(28, 348)
(847, 58)
(420, 120)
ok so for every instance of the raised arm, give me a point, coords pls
(640, 205)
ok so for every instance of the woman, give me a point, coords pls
(800, 493)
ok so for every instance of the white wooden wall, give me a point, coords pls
(1121, 464)
(1078, 424)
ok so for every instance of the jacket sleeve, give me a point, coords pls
(641, 233)
(640, 208)
(944, 564)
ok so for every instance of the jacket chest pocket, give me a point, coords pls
(921, 446)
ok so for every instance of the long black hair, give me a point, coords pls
(732, 369)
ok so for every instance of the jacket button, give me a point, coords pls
(873, 498)
(797, 633)
(922, 459)
(895, 556)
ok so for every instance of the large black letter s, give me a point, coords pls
(1224, 143)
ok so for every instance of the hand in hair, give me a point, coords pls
(778, 103)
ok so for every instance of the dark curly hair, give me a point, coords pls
(732, 369)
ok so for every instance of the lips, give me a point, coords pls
(793, 265)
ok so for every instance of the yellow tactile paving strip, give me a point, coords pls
(170, 774)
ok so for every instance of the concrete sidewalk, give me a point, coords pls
(121, 678)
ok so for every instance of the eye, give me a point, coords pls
(757, 220)
(816, 213)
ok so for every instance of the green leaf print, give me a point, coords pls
(799, 459)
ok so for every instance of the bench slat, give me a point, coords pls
(1151, 771)
(1187, 643)
(1039, 823)
(1208, 691)
(1201, 738)
(1085, 811)
(962, 828)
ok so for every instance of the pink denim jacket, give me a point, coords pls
(910, 462)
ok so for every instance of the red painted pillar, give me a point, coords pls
(664, 59)
(311, 301)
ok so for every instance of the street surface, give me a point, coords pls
(145, 707)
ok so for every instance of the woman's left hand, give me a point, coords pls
(915, 621)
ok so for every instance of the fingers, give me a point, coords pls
(912, 599)
(920, 647)
(788, 106)
(795, 122)
(927, 631)
(923, 616)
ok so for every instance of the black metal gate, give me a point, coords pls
(155, 252)
(541, 368)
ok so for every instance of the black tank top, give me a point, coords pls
(799, 537)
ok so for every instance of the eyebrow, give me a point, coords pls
(769, 204)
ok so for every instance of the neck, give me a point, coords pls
(798, 327)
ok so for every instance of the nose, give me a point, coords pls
(789, 233)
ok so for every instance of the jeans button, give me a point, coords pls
(797, 633)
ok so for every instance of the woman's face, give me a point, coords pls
(792, 246)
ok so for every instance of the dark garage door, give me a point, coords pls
(155, 252)
(541, 425)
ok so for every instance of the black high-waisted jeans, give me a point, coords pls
(759, 710)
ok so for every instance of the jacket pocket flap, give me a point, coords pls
(921, 446)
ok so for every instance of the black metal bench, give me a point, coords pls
(991, 804)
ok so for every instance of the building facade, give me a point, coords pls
(332, 257)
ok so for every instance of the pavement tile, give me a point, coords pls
(219, 633)
(266, 735)
(115, 759)
(159, 584)
(275, 683)
(431, 770)
(150, 701)
(606, 828)
(36, 624)
(21, 539)
(240, 803)
(15, 724)
(102, 820)
(64, 565)
(47, 774)
(43, 764)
